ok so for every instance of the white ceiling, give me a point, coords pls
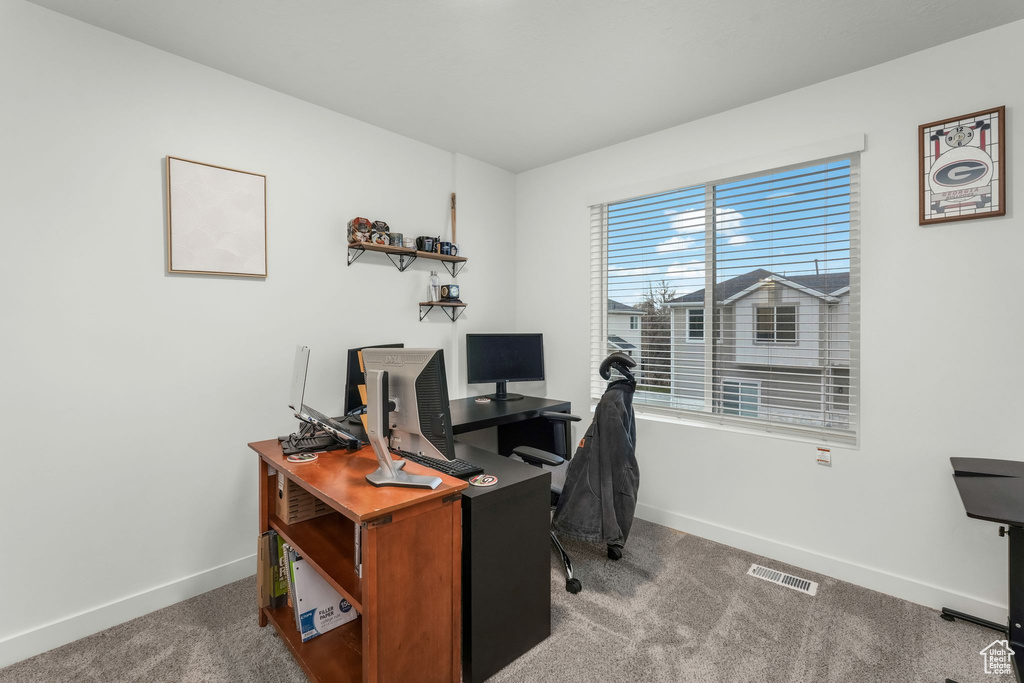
(522, 83)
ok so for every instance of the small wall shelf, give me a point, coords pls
(405, 256)
(452, 308)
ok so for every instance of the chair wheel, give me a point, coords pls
(614, 552)
(573, 586)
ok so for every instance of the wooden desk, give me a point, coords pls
(410, 624)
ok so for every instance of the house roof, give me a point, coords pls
(826, 284)
(615, 307)
(620, 342)
(998, 645)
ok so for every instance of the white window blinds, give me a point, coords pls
(774, 346)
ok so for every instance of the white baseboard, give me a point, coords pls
(912, 590)
(48, 636)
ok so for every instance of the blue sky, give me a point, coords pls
(781, 222)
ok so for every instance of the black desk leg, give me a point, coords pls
(1016, 571)
(1014, 631)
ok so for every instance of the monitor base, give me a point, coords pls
(504, 397)
(380, 477)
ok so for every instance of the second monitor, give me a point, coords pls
(504, 358)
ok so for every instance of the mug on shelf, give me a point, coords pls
(425, 243)
(446, 248)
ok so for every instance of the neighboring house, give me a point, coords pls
(782, 348)
(624, 329)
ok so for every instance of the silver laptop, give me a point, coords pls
(304, 412)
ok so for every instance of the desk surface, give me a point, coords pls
(509, 472)
(992, 490)
(339, 479)
(468, 415)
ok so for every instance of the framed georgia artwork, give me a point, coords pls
(216, 220)
(963, 167)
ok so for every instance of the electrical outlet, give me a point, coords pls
(825, 457)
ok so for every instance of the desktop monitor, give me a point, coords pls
(504, 358)
(354, 377)
(407, 410)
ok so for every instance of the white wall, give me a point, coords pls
(936, 336)
(139, 490)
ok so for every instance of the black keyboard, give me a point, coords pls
(320, 416)
(455, 468)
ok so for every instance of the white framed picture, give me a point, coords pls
(216, 220)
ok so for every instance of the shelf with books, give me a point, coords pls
(328, 544)
(333, 657)
(405, 535)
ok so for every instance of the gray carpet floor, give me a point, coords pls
(676, 608)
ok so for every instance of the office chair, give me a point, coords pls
(537, 457)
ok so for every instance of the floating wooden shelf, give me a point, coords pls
(452, 308)
(405, 256)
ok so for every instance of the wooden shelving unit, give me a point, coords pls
(403, 257)
(317, 541)
(452, 308)
(408, 592)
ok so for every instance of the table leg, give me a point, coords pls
(264, 520)
(1016, 578)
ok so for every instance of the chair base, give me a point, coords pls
(572, 584)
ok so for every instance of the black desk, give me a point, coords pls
(519, 422)
(506, 565)
(993, 490)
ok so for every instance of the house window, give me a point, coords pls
(740, 397)
(775, 324)
(695, 324)
(778, 252)
(634, 322)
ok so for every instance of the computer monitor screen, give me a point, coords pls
(354, 377)
(418, 387)
(502, 358)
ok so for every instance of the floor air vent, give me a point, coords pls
(783, 579)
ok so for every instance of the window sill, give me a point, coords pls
(642, 415)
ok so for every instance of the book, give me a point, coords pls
(319, 607)
(278, 577)
(290, 557)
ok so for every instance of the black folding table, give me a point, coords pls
(993, 490)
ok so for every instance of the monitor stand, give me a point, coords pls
(389, 472)
(501, 393)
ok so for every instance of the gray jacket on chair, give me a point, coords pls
(599, 497)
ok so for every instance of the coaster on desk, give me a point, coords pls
(303, 457)
(483, 480)
(483, 399)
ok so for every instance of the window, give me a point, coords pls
(634, 322)
(776, 324)
(740, 398)
(695, 324)
(750, 288)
